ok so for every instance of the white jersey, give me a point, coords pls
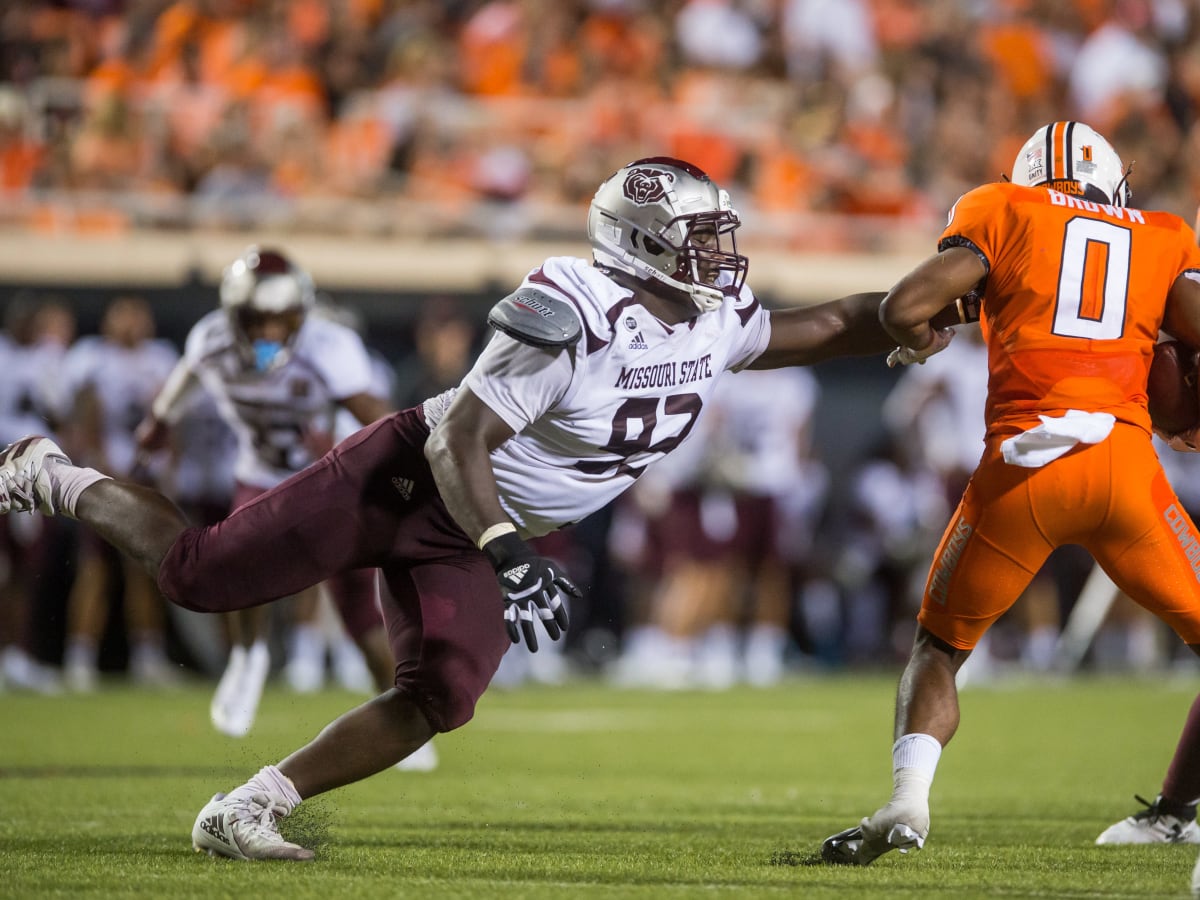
(763, 419)
(590, 420)
(203, 451)
(383, 385)
(125, 381)
(273, 412)
(28, 398)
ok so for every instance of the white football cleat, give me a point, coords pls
(235, 705)
(888, 829)
(227, 689)
(244, 829)
(25, 673)
(25, 483)
(423, 759)
(1161, 822)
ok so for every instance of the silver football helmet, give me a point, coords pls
(265, 283)
(1075, 159)
(666, 224)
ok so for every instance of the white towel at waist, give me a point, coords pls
(1044, 443)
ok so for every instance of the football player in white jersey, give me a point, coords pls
(37, 332)
(107, 383)
(278, 376)
(600, 368)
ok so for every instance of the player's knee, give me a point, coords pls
(447, 697)
(450, 707)
(928, 642)
(186, 581)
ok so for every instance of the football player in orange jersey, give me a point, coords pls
(1171, 818)
(1075, 286)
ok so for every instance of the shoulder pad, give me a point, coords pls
(534, 317)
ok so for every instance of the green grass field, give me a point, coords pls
(584, 791)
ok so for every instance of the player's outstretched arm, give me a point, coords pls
(848, 326)
(910, 310)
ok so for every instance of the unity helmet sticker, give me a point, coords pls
(643, 186)
(1035, 159)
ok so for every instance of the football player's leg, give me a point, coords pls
(986, 558)
(342, 512)
(356, 596)
(135, 519)
(445, 620)
(446, 649)
(1154, 557)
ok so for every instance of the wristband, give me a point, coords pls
(968, 307)
(508, 546)
(494, 532)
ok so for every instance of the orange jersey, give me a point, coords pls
(1073, 299)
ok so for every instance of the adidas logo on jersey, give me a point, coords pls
(638, 342)
(404, 486)
(516, 573)
(212, 826)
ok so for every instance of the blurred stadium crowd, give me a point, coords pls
(499, 117)
(837, 125)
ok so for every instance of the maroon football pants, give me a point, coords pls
(353, 592)
(369, 502)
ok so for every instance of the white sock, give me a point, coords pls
(69, 482)
(82, 653)
(914, 762)
(269, 780)
(237, 657)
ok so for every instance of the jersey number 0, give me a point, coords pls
(1095, 254)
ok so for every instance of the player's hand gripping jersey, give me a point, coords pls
(590, 418)
(1108, 268)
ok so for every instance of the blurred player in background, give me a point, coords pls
(36, 335)
(560, 414)
(108, 383)
(728, 515)
(278, 374)
(1075, 287)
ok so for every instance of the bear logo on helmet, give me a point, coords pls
(644, 186)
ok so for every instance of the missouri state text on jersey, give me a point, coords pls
(590, 418)
(1108, 270)
(668, 374)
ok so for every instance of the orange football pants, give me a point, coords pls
(1111, 498)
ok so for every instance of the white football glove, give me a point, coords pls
(905, 356)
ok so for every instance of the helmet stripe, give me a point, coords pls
(1049, 152)
(1067, 151)
(1057, 167)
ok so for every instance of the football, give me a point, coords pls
(1171, 389)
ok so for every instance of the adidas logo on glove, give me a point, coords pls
(516, 573)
